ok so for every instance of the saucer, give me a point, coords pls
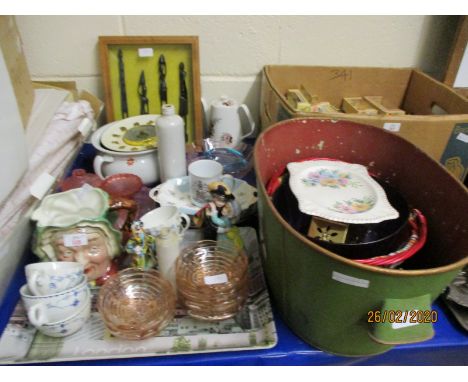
(175, 192)
(339, 191)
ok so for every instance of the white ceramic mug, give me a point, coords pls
(165, 217)
(201, 173)
(55, 307)
(53, 277)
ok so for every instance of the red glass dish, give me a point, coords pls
(122, 185)
(78, 178)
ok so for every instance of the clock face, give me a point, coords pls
(130, 135)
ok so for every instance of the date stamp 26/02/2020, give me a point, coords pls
(401, 317)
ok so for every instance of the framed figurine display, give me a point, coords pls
(142, 73)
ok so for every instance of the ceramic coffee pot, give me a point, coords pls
(225, 119)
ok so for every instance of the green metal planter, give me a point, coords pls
(329, 300)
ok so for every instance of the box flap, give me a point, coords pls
(12, 48)
(424, 93)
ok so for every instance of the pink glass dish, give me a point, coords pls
(122, 185)
(212, 280)
(136, 304)
(78, 178)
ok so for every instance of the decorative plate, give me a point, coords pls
(175, 192)
(339, 191)
(131, 134)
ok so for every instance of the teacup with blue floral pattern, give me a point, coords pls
(53, 277)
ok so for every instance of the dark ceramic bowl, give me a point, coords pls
(363, 241)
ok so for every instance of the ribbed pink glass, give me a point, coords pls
(212, 280)
(136, 303)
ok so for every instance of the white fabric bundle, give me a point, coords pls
(53, 152)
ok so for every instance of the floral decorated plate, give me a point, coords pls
(132, 134)
(175, 192)
(339, 191)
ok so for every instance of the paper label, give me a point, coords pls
(41, 185)
(145, 52)
(463, 137)
(399, 325)
(216, 279)
(345, 279)
(75, 240)
(392, 126)
(85, 126)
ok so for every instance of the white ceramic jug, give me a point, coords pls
(225, 119)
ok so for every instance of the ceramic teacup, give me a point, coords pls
(55, 307)
(165, 217)
(69, 325)
(53, 277)
(201, 173)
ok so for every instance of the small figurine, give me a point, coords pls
(222, 212)
(142, 246)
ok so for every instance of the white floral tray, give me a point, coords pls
(253, 328)
(339, 191)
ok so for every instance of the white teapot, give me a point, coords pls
(227, 129)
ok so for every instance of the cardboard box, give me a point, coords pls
(16, 101)
(12, 49)
(96, 104)
(443, 136)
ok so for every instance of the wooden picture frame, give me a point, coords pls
(145, 75)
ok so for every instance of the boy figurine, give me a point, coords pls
(222, 212)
